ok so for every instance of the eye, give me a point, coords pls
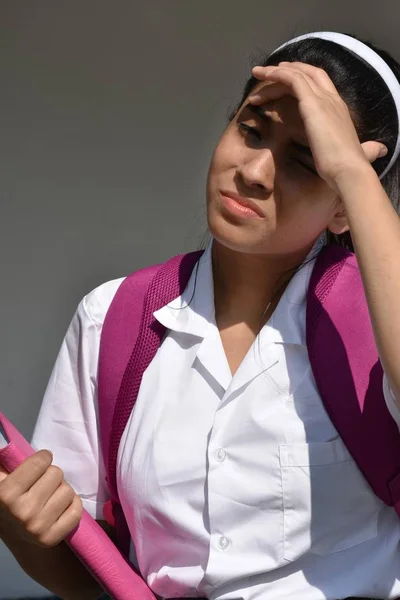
(249, 131)
(303, 166)
(308, 167)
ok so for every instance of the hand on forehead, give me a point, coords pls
(296, 79)
(327, 120)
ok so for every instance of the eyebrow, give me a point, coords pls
(259, 111)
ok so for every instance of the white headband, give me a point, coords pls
(372, 58)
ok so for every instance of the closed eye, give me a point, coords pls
(251, 131)
(308, 167)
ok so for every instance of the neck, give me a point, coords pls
(245, 284)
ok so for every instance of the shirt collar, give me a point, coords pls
(193, 312)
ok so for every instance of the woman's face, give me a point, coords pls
(258, 159)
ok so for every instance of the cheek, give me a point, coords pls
(225, 155)
(218, 162)
(302, 193)
(307, 215)
(301, 200)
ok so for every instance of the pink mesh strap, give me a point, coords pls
(130, 339)
(348, 373)
(119, 334)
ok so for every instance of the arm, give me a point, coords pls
(375, 231)
(345, 165)
(57, 569)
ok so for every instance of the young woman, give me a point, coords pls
(308, 158)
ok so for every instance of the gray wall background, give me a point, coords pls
(109, 114)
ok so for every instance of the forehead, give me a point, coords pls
(283, 110)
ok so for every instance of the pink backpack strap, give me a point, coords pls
(347, 370)
(130, 338)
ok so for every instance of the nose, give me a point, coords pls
(258, 171)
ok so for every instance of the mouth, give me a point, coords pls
(240, 206)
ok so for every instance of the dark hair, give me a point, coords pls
(366, 94)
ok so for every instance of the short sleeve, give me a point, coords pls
(392, 403)
(68, 418)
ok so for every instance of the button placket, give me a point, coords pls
(218, 503)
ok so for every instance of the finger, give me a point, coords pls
(271, 91)
(284, 73)
(297, 84)
(41, 491)
(263, 73)
(28, 472)
(67, 522)
(54, 508)
(320, 76)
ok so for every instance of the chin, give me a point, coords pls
(237, 236)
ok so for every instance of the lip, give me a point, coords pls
(245, 202)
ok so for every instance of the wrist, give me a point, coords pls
(353, 176)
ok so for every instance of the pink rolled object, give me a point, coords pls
(88, 541)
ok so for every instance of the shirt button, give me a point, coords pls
(223, 543)
(220, 455)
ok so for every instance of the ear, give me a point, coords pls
(338, 223)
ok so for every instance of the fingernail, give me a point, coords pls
(382, 152)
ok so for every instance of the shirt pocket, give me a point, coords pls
(327, 504)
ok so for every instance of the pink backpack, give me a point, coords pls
(341, 347)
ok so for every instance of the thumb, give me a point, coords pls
(374, 150)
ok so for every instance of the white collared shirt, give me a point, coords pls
(233, 487)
